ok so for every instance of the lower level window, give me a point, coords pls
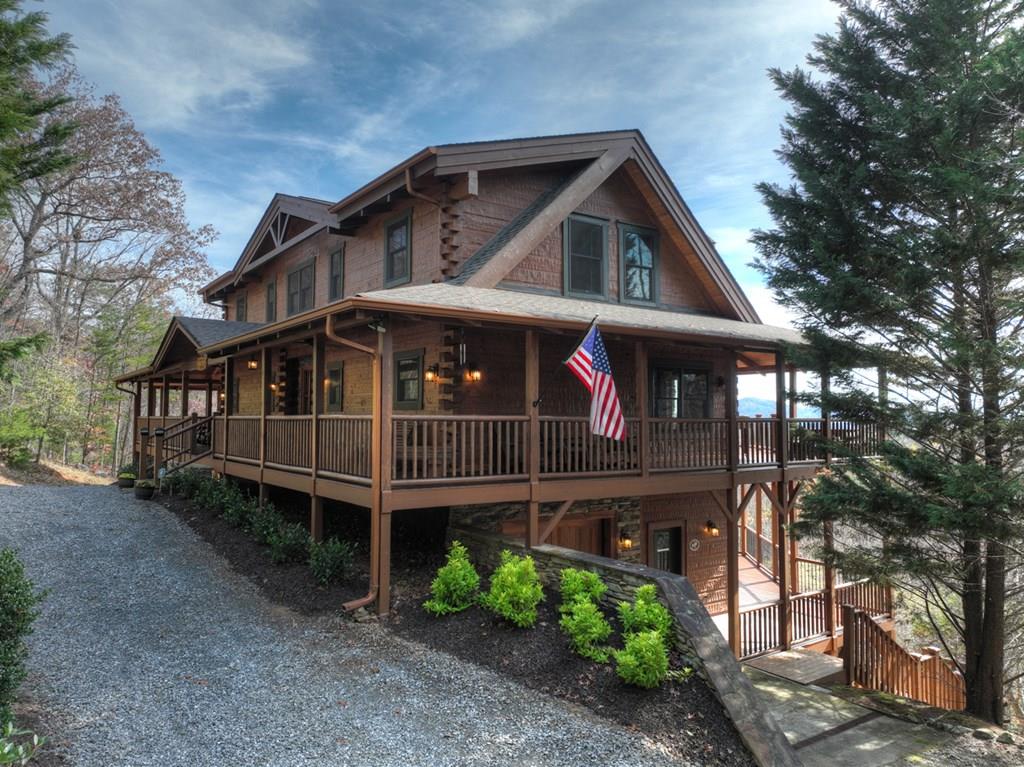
(333, 398)
(409, 380)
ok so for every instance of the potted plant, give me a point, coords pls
(126, 478)
(144, 489)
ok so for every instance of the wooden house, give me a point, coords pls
(402, 349)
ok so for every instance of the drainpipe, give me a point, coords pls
(418, 195)
(371, 594)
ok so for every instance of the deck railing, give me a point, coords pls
(344, 448)
(428, 447)
(688, 444)
(809, 612)
(759, 630)
(874, 660)
(567, 447)
(243, 438)
(289, 441)
(758, 438)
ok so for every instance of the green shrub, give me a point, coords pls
(646, 614)
(16, 433)
(290, 544)
(580, 584)
(456, 585)
(515, 590)
(264, 523)
(18, 609)
(330, 560)
(644, 661)
(587, 628)
(18, 746)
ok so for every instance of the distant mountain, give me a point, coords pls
(754, 406)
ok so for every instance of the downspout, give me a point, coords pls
(371, 594)
(418, 195)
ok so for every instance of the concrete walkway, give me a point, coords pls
(830, 732)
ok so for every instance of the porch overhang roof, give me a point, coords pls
(517, 308)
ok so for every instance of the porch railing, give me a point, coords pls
(344, 447)
(567, 447)
(289, 440)
(243, 438)
(759, 630)
(688, 444)
(453, 447)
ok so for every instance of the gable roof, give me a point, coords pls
(199, 332)
(600, 153)
(312, 216)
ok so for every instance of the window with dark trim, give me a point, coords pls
(336, 275)
(398, 251)
(638, 249)
(409, 380)
(271, 310)
(586, 256)
(241, 310)
(300, 288)
(334, 395)
(680, 392)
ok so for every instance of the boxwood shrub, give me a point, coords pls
(515, 590)
(456, 585)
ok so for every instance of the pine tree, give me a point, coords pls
(899, 244)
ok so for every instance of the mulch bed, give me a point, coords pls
(32, 716)
(291, 585)
(684, 717)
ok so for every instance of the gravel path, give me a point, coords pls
(151, 651)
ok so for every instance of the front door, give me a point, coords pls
(667, 551)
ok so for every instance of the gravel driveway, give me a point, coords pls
(152, 651)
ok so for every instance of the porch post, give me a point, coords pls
(184, 394)
(826, 416)
(792, 392)
(381, 519)
(150, 398)
(883, 397)
(830, 584)
(316, 511)
(136, 414)
(143, 452)
(531, 352)
(642, 407)
(165, 400)
(781, 556)
(794, 581)
(264, 407)
(732, 532)
(229, 369)
(158, 454)
(780, 409)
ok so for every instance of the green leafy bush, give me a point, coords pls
(18, 746)
(580, 584)
(290, 544)
(264, 523)
(587, 628)
(330, 560)
(644, 661)
(456, 585)
(646, 614)
(18, 609)
(16, 433)
(515, 590)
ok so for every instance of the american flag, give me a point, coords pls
(590, 364)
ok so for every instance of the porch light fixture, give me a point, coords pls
(711, 528)
(625, 542)
(473, 373)
(432, 373)
(253, 364)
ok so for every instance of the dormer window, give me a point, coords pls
(398, 251)
(241, 310)
(586, 256)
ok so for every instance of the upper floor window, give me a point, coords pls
(639, 254)
(586, 256)
(336, 275)
(398, 251)
(241, 310)
(680, 392)
(271, 311)
(300, 287)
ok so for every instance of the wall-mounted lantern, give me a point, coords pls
(253, 364)
(625, 542)
(432, 373)
(473, 373)
(711, 528)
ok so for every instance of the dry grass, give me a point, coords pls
(48, 473)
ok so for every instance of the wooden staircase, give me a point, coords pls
(183, 444)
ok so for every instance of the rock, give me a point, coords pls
(982, 734)
(1006, 737)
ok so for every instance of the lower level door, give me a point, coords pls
(666, 547)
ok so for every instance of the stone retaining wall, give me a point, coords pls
(699, 640)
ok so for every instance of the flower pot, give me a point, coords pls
(125, 482)
(145, 493)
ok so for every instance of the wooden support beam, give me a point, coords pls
(165, 400)
(782, 557)
(136, 414)
(826, 415)
(643, 409)
(782, 448)
(531, 235)
(555, 519)
(531, 407)
(751, 491)
(828, 543)
(883, 397)
(316, 517)
(184, 394)
(382, 470)
(732, 572)
(792, 392)
(732, 413)
(384, 585)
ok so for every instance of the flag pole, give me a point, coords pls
(583, 338)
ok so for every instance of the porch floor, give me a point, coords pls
(801, 666)
(756, 588)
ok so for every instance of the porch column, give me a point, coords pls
(380, 520)
(209, 398)
(531, 406)
(830, 583)
(732, 531)
(229, 369)
(782, 450)
(264, 408)
(150, 399)
(316, 511)
(643, 409)
(143, 452)
(792, 392)
(794, 565)
(782, 557)
(184, 394)
(883, 397)
(826, 416)
(165, 401)
(136, 413)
